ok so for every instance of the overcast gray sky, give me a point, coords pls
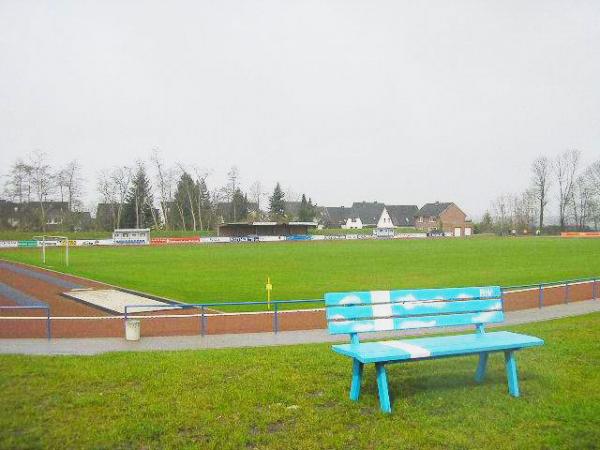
(396, 101)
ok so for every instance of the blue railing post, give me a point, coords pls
(541, 297)
(566, 292)
(202, 329)
(275, 323)
(48, 326)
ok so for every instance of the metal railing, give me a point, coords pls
(277, 304)
(47, 318)
(553, 284)
(204, 306)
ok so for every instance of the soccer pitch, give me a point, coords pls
(307, 270)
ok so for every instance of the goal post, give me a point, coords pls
(45, 239)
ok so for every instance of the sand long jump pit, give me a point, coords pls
(114, 301)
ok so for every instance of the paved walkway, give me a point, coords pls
(92, 346)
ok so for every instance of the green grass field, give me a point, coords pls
(297, 397)
(306, 270)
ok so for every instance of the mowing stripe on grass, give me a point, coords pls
(40, 276)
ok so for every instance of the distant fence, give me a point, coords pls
(581, 234)
(203, 318)
(199, 240)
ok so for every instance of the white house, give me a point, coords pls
(353, 224)
(385, 221)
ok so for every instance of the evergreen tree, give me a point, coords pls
(304, 212)
(186, 197)
(307, 211)
(312, 208)
(239, 206)
(205, 205)
(277, 203)
(486, 225)
(137, 212)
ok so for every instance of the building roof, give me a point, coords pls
(433, 209)
(336, 214)
(368, 212)
(402, 215)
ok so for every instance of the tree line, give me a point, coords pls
(147, 194)
(573, 189)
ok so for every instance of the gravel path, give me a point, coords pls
(91, 346)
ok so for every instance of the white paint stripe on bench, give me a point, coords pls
(414, 351)
(381, 304)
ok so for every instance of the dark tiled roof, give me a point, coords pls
(368, 212)
(336, 215)
(433, 209)
(402, 215)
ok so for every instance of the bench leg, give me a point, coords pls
(480, 374)
(357, 370)
(511, 373)
(382, 385)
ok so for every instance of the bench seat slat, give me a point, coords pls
(408, 295)
(411, 309)
(362, 326)
(432, 347)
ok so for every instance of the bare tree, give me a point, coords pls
(108, 195)
(74, 184)
(42, 181)
(18, 186)
(594, 177)
(190, 193)
(60, 179)
(565, 170)
(256, 193)
(291, 196)
(202, 198)
(527, 210)
(121, 177)
(69, 184)
(233, 176)
(581, 199)
(217, 197)
(594, 212)
(165, 177)
(502, 216)
(540, 180)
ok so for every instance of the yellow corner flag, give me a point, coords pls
(269, 288)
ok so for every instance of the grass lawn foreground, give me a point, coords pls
(297, 397)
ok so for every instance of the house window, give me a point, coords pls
(421, 219)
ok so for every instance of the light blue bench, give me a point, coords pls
(358, 312)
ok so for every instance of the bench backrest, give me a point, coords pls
(359, 312)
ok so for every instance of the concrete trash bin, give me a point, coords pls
(132, 330)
